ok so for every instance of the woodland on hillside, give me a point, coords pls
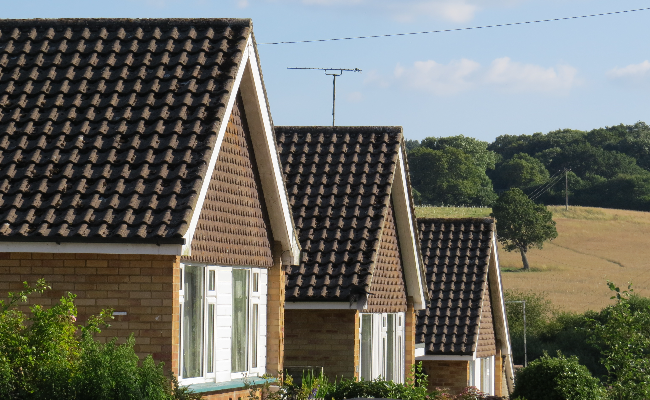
(606, 167)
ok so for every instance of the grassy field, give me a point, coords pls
(593, 245)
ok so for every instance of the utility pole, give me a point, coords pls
(333, 74)
(566, 187)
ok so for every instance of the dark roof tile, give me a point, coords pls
(456, 254)
(107, 125)
(339, 182)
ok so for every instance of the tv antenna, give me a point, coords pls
(332, 72)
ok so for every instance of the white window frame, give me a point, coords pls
(482, 370)
(221, 300)
(379, 342)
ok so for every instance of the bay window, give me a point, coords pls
(382, 346)
(223, 323)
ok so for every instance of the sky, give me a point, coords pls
(581, 73)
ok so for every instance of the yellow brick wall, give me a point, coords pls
(325, 338)
(409, 336)
(230, 395)
(452, 375)
(275, 314)
(141, 285)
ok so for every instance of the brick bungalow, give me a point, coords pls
(462, 336)
(350, 300)
(138, 170)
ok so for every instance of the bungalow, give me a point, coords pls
(350, 300)
(138, 170)
(462, 335)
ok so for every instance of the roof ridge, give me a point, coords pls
(118, 22)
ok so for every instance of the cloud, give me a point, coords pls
(517, 77)
(242, 3)
(355, 97)
(457, 76)
(456, 11)
(632, 72)
(502, 74)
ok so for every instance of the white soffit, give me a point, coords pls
(276, 200)
(90, 248)
(322, 305)
(445, 358)
(407, 234)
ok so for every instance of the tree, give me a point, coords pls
(557, 378)
(450, 177)
(521, 223)
(478, 150)
(520, 171)
(622, 333)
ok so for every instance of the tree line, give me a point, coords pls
(605, 167)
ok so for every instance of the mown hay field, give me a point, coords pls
(594, 245)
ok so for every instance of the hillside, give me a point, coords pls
(593, 245)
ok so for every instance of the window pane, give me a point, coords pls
(211, 280)
(192, 322)
(366, 346)
(254, 333)
(256, 282)
(210, 338)
(239, 320)
(390, 347)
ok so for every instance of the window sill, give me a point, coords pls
(232, 384)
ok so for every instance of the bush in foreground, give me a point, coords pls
(557, 378)
(44, 355)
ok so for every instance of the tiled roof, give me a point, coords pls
(339, 182)
(456, 255)
(234, 228)
(107, 125)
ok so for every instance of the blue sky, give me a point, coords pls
(580, 74)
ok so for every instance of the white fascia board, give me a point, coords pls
(91, 248)
(496, 271)
(248, 78)
(215, 152)
(323, 305)
(266, 155)
(407, 232)
(445, 358)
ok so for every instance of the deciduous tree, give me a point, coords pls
(522, 224)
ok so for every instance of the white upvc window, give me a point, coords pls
(382, 346)
(481, 374)
(223, 323)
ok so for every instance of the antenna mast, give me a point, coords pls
(332, 72)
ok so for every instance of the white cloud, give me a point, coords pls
(502, 74)
(633, 72)
(517, 77)
(355, 97)
(456, 11)
(374, 78)
(242, 3)
(457, 76)
(450, 10)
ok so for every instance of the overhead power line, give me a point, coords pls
(459, 29)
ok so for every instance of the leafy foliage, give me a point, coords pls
(622, 333)
(522, 224)
(557, 378)
(609, 167)
(43, 356)
(449, 176)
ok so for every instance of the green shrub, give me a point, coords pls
(557, 378)
(44, 355)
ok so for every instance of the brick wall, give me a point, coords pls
(275, 314)
(327, 338)
(141, 285)
(452, 375)
(230, 395)
(409, 336)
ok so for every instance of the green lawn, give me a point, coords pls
(452, 212)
